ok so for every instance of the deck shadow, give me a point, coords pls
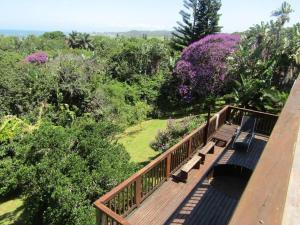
(214, 201)
(208, 204)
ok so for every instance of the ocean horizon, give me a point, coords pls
(20, 33)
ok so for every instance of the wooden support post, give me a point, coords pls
(207, 127)
(190, 147)
(168, 166)
(138, 191)
(228, 116)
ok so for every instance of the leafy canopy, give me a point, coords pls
(201, 70)
(200, 19)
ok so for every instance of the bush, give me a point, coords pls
(38, 58)
(175, 131)
(58, 168)
(138, 56)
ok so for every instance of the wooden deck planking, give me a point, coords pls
(181, 203)
(242, 158)
(169, 196)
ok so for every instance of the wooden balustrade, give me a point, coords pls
(180, 155)
(128, 195)
(265, 121)
(153, 178)
(105, 216)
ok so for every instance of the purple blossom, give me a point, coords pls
(202, 69)
(38, 57)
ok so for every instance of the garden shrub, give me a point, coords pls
(38, 57)
(175, 131)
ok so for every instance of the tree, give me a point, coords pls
(283, 13)
(268, 52)
(200, 20)
(80, 40)
(54, 35)
(202, 70)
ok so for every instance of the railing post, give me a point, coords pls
(100, 218)
(207, 126)
(138, 191)
(168, 166)
(228, 114)
(190, 147)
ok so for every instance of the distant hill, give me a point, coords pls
(132, 33)
(138, 33)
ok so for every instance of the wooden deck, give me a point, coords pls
(243, 158)
(198, 201)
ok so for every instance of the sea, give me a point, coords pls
(21, 33)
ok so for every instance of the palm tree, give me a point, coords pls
(283, 13)
(73, 40)
(80, 40)
(85, 41)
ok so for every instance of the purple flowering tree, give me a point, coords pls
(38, 58)
(201, 70)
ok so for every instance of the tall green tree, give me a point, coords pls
(283, 13)
(80, 40)
(200, 19)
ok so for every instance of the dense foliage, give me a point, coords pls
(64, 99)
(61, 107)
(200, 19)
(175, 131)
(201, 70)
(63, 170)
(265, 66)
(80, 40)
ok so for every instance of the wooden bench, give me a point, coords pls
(193, 163)
(208, 148)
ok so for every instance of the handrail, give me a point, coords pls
(265, 121)
(254, 111)
(129, 194)
(161, 157)
(115, 217)
(265, 197)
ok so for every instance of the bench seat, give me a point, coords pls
(208, 148)
(193, 163)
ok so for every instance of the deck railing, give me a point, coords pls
(265, 121)
(272, 193)
(123, 199)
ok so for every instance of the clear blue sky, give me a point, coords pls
(120, 15)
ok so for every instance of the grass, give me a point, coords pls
(10, 211)
(137, 139)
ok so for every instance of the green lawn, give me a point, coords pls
(10, 211)
(137, 139)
